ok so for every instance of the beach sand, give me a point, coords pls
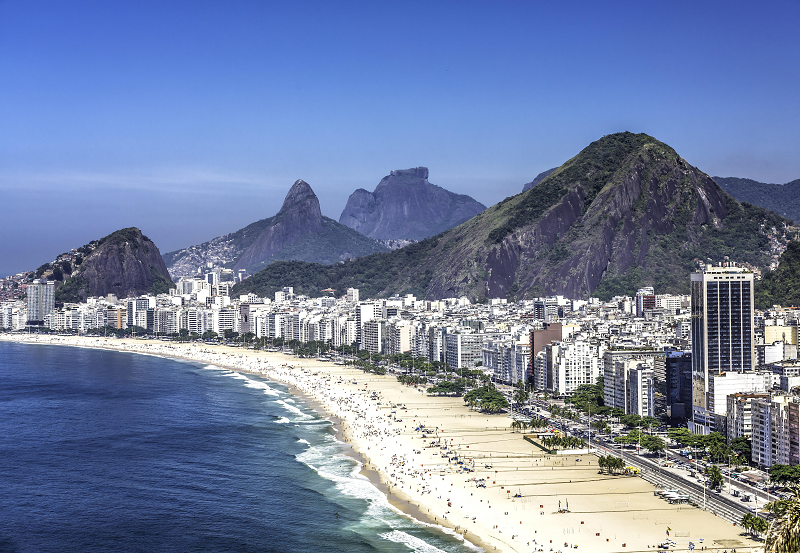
(378, 416)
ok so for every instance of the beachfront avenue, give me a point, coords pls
(440, 460)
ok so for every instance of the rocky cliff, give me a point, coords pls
(626, 212)
(125, 263)
(298, 231)
(405, 205)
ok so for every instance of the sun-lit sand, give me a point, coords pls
(379, 417)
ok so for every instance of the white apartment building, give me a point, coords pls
(463, 350)
(639, 389)
(739, 414)
(576, 363)
(400, 337)
(374, 336)
(771, 434)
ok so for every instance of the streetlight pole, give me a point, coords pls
(729, 474)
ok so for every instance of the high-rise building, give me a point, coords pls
(41, 300)
(722, 332)
(645, 299)
(678, 369)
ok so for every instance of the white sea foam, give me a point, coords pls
(238, 376)
(261, 386)
(282, 420)
(345, 471)
(293, 409)
(302, 441)
(414, 543)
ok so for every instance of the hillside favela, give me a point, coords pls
(531, 320)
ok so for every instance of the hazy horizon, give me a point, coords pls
(191, 120)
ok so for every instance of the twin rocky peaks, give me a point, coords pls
(404, 206)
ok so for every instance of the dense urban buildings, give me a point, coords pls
(707, 360)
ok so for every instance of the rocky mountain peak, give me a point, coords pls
(418, 172)
(301, 193)
(405, 206)
(125, 263)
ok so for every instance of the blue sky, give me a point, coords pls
(192, 119)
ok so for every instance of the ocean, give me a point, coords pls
(106, 451)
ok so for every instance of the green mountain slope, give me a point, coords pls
(626, 212)
(783, 199)
(781, 286)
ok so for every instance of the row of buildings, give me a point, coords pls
(708, 358)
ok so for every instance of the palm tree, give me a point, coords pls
(784, 532)
(747, 522)
(761, 526)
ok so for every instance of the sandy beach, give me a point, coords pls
(409, 444)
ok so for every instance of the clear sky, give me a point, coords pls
(192, 119)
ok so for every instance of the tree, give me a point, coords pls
(784, 532)
(230, 334)
(521, 396)
(715, 476)
(761, 526)
(611, 463)
(654, 444)
(785, 474)
(487, 398)
(747, 522)
(210, 335)
(631, 421)
(742, 447)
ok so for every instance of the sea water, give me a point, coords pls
(109, 451)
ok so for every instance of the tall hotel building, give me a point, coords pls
(41, 300)
(722, 333)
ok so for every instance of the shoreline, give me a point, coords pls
(402, 503)
(435, 492)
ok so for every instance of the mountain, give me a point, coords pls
(781, 286)
(538, 179)
(405, 205)
(783, 199)
(125, 263)
(297, 231)
(626, 212)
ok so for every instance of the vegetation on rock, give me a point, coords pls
(781, 286)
